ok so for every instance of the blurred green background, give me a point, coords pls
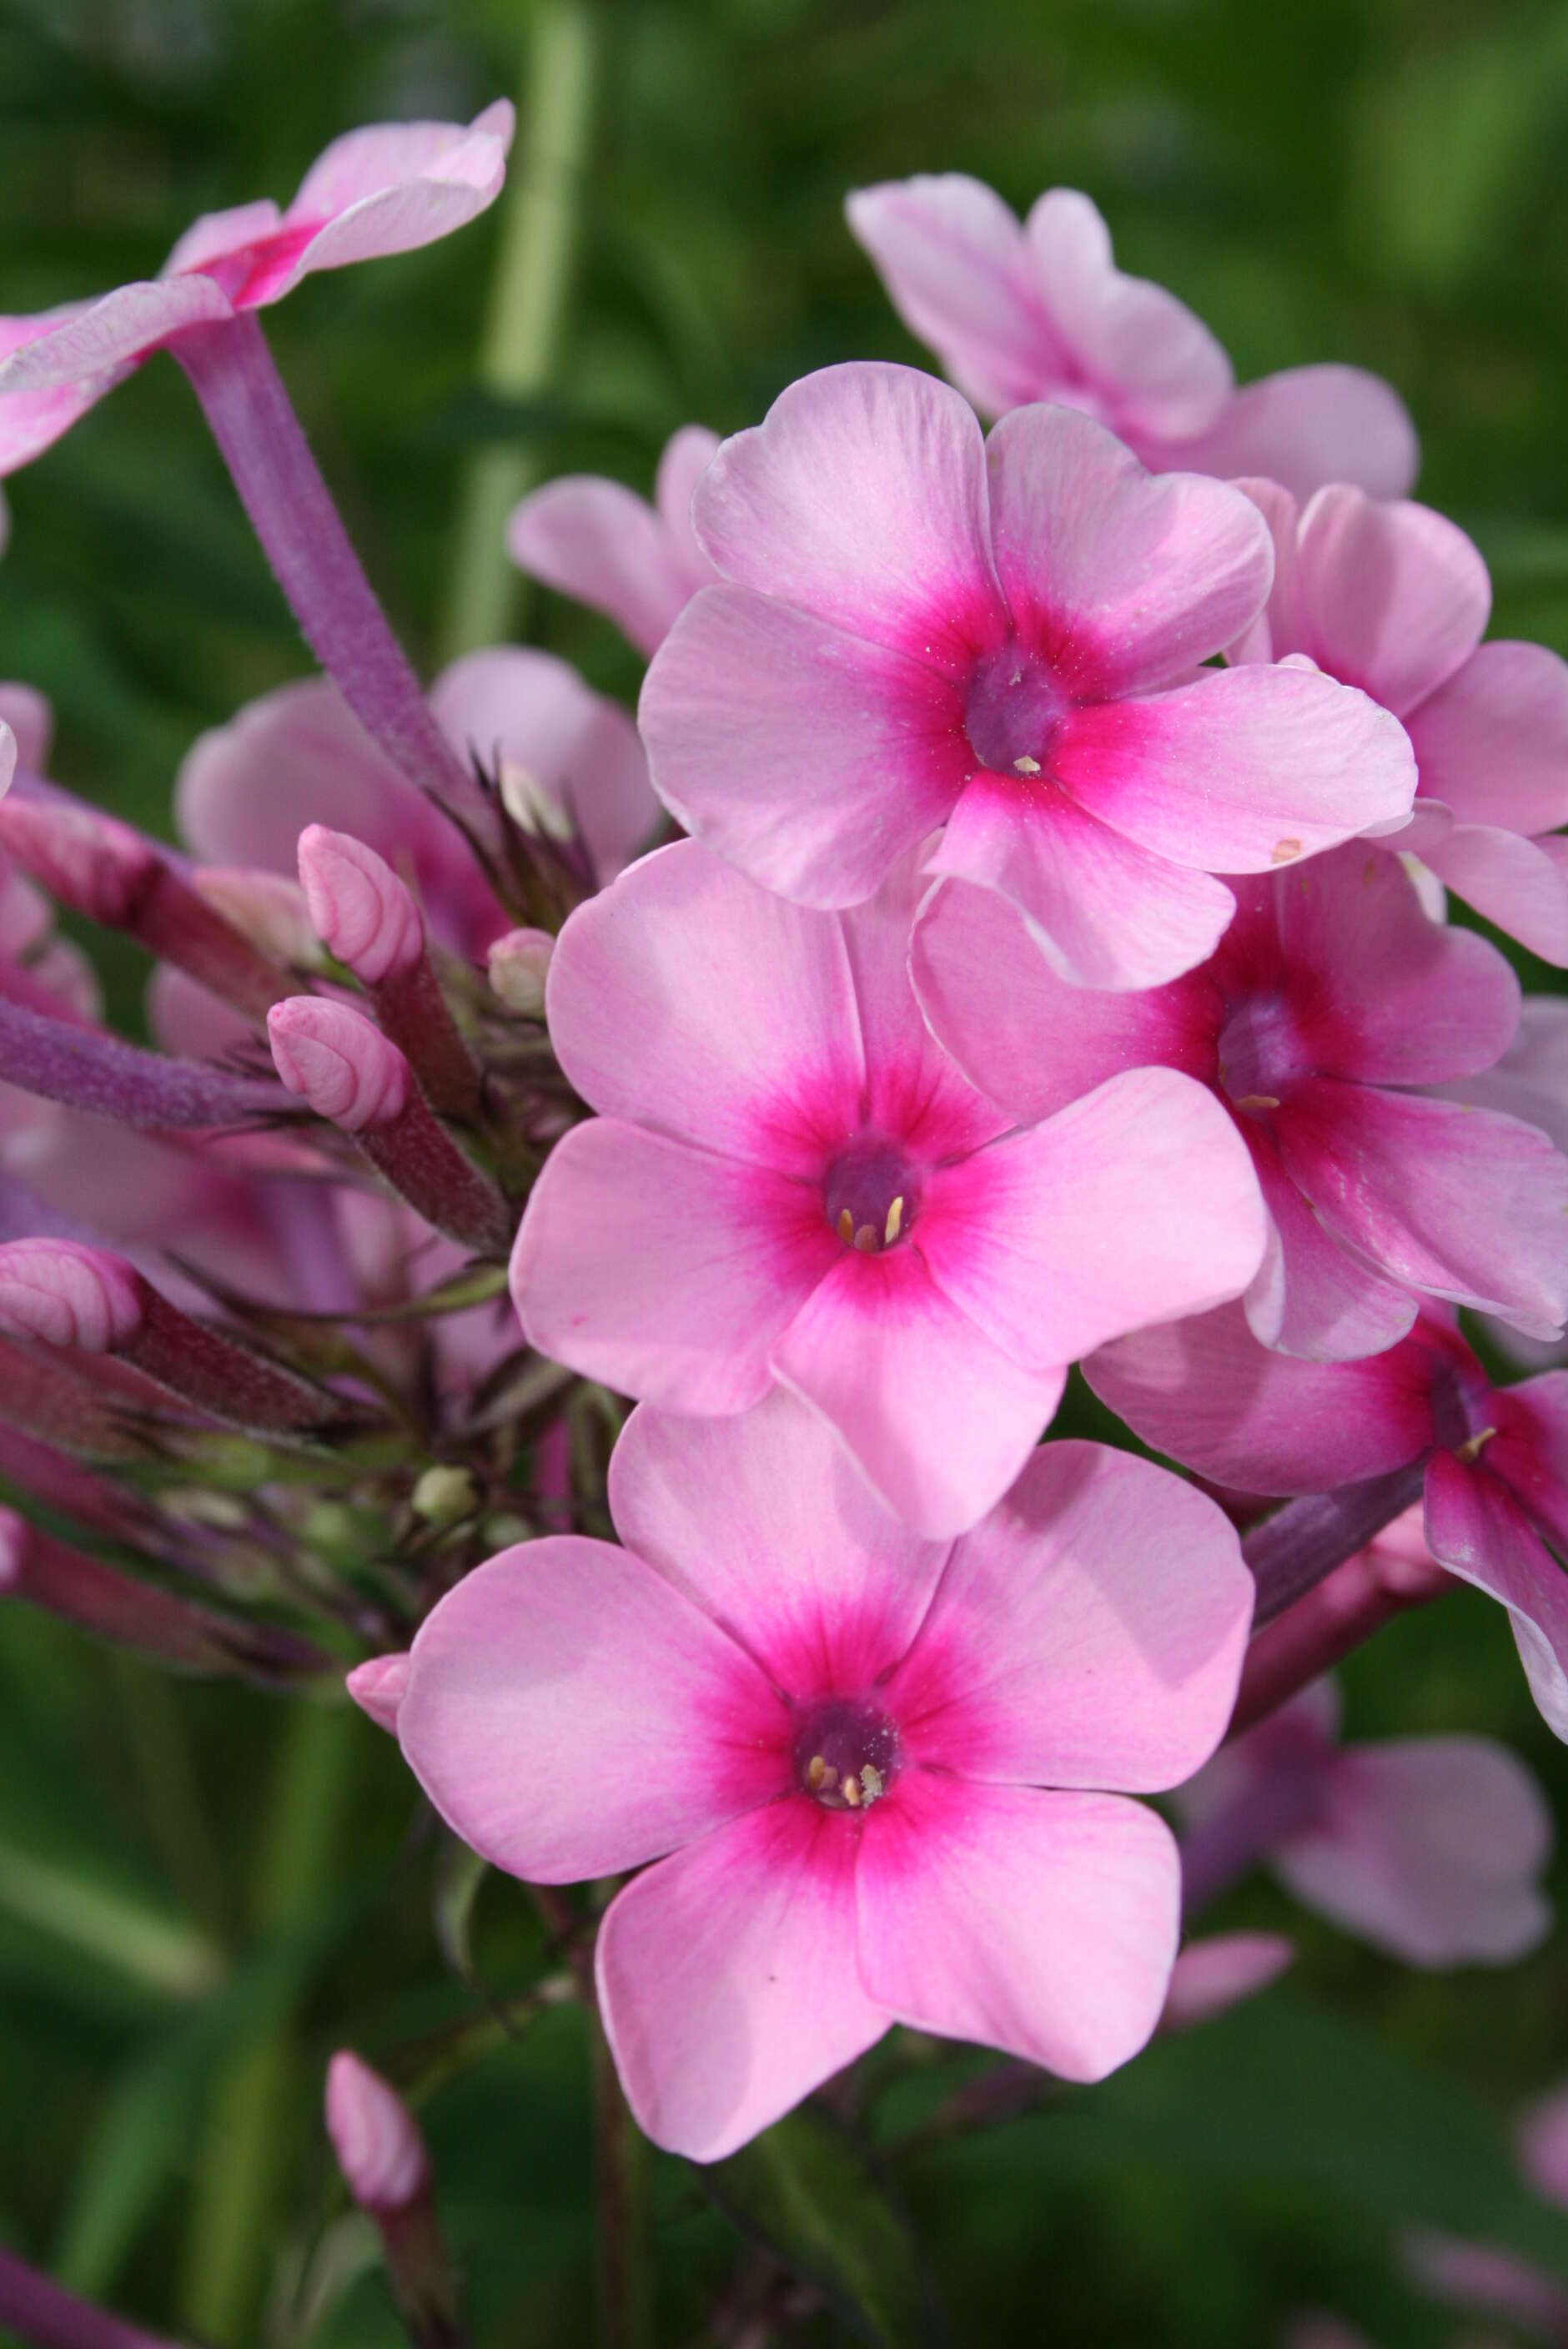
(201, 1894)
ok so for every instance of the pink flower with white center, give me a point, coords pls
(297, 757)
(1021, 311)
(1496, 1458)
(1428, 1847)
(376, 192)
(1331, 998)
(921, 628)
(869, 1766)
(1394, 598)
(789, 1184)
(598, 540)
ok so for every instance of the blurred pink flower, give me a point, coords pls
(917, 628)
(1214, 1974)
(787, 1182)
(1037, 310)
(841, 1736)
(595, 540)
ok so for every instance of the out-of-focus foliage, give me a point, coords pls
(200, 1895)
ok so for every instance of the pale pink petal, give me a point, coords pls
(32, 721)
(1530, 1080)
(1520, 884)
(742, 1007)
(1273, 633)
(570, 1714)
(1530, 1449)
(1044, 1924)
(215, 236)
(763, 1520)
(1158, 369)
(1388, 596)
(105, 337)
(860, 497)
(378, 1687)
(31, 421)
(1206, 1394)
(1129, 577)
(1430, 1847)
(1306, 427)
(662, 1271)
(1089, 1633)
(1397, 1178)
(1241, 771)
(365, 162)
(598, 542)
(1477, 1529)
(728, 1982)
(1484, 2276)
(395, 187)
(1311, 1297)
(957, 266)
(1541, 2145)
(1061, 1237)
(937, 1417)
(1100, 912)
(1212, 1975)
(809, 757)
(519, 705)
(1387, 996)
(685, 457)
(1492, 743)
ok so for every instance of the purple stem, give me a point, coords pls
(1291, 1552)
(89, 1071)
(424, 1166)
(43, 2314)
(252, 417)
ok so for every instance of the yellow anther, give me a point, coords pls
(846, 1225)
(853, 1792)
(1258, 1100)
(872, 1782)
(816, 1770)
(866, 1239)
(1474, 1446)
(1027, 766)
(894, 1222)
(1282, 850)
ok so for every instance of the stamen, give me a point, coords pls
(866, 1239)
(1474, 1446)
(1283, 851)
(846, 1225)
(816, 1774)
(872, 1782)
(1027, 766)
(894, 1222)
(1258, 1100)
(853, 1792)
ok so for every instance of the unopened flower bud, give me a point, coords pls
(337, 1063)
(61, 1294)
(445, 1497)
(362, 912)
(518, 965)
(379, 2151)
(377, 1687)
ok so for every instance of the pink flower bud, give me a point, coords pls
(267, 908)
(67, 1295)
(362, 912)
(342, 1067)
(97, 866)
(380, 2150)
(518, 965)
(378, 1685)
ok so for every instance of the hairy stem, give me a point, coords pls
(1347, 1606)
(1291, 1552)
(45, 2315)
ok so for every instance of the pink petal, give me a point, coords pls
(1520, 884)
(1530, 1080)
(685, 457)
(1089, 1633)
(514, 703)
(1306, 427)
(810, 757)
(957, 266)
(1388, 595)
(31, 720)
(1023, 1035)
(1541, 2145)
(686, 998)
(860, 498)
(570, 1714)
(1206, 1394)
(1397, 1178)
(1477, 1529)
(662, 1271)
(1056, 1240)
(31, 421)
(104, 338)
(1131, 577)
(765, 1523)
(1241, 771)
(937, 1417)
(385, 154)
(215, 236)
(1389, 996)
(598, 542)
(1430, 1849)
(1313, 1296)
(1214, 1974)
(1273, 634)
(1157, 367)
(1492, 743)
(728, 1981)
(395, 187)
(1044, 1924)
(1100, 912)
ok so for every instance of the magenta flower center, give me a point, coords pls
(1262, 1053)
(870, 1193)
(846, 1753)
(1015, 708)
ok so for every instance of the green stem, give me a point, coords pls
(245, 2148)
(527, 310)
(161, 1751)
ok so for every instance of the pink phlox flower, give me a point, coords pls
(1394, 598)
(1022, 311)
(918, 628)
(599, 542)
(1496, 1505)
(788, 1183)
(871, 1769)
(1430, 1847)
(380, 191)
(1330, 1005)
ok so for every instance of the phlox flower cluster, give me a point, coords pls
(1013, 935)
